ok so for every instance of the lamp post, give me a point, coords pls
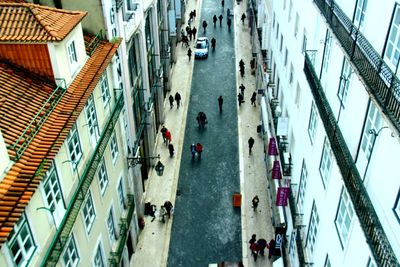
(159, 167)
(375, 133)
(51, 210)
(74, 166)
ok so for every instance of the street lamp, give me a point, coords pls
(375, 133)
(132, 162)
(51, 210)
(74, 166)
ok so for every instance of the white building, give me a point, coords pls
(332, 71)
(64, 189)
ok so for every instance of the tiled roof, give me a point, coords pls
(26, 97)
(34, 23)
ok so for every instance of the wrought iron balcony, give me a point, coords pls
(381, 82)
(125, 223)
(38, 120)
(369, 221)
(61, 236)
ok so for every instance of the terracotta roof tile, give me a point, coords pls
(20, 183)
(27, 22)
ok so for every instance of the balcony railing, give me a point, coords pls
(61, 236)
(381, 82)
(123, 231)
(369, 221)
(38, 120)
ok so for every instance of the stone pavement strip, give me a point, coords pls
(153, 244)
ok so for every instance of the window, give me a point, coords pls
(71, 255)
(359, 16)
(325, 165)
(327, 262)
(296, 25)
(327, 50)
(273, 20)
(304, 45)
(73, 60)
(74, 146)
(91, 119)
(292, 247)
(114, 148)
(112, 234)
(312, 125)
(286, 57)
(373, 122)
(277, 31)
(281, 44)
(344, 83)
(121, 194)
(344, 217)
(21, 243)
(392, 49)
(302, 187)
(52, 189)
(396, 208)
(89, 213)
(105, 93)
(291, 73)
(297, 98)
(98, 260)
(290, 11)
(103, 176)
(312, 230)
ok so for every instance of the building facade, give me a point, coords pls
(328, 72)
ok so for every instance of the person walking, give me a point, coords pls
(162, 214)
(222, 3)
(254, 202)
(215, 19)
(254, 250)
(220, 102)
(271, 248)
(204, 26)
(262, 244)
(242, 18)
(240, 99)
(252, 240)
(171, 101)
(213, 42)
(241, 67)
(229, 22)
(163, 130)
(251, 144)
(253, 98)
(193, 150)
(190, 33)
(168, 137)
(194, 31)
(242, 88)
(189, 53)
(199, 149)
(168, 206)
(152, 212)
(171, 150)
(220, 17)
(178, 99)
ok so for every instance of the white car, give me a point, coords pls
(201, 49)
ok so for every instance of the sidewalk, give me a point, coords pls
(152, 248)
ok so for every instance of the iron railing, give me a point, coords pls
(369, 221)
(38, 120)
(381, 82)
(299, 241)
(95, 42)
(61, 236)
(124, 225)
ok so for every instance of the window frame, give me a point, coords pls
(312, 231)
(52, 172)
(359, 14)
(75, 250)
(342, 215)
(15, 238)
(92, 212)
(102, 176)
(72, 54)
(327, 50)
(302, 187)
(105, 88)
(91, 119)
(101, 256)
(122, 197)
(326, 163)
(312, 123)
(114, 148)
(345, 82)
(390, 42)
(110, 226)
(73, 136)
(396, 207)
(373, 122)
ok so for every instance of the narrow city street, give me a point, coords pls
(206, 227)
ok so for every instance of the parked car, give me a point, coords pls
(201, 49)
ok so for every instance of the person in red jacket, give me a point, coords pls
(168, 137)
(199, 149)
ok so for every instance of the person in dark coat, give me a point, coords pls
(242, 88)
(253, 98)
(222, 3)
(193, 150)
(220, 17)
(213, 42)
(254, 202)
(171, 150)
(262, 244)
(178, 99)
(271, 248)
(168, 206)
(252, 240)
(215, 19)
(163, 131)
(194, 31)
(251, 144)
(240, 99)
(220, 102)
(204, 26)
(254, 250)
(229, 22)
(243, 18)
(171, 101)
(189, 53)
